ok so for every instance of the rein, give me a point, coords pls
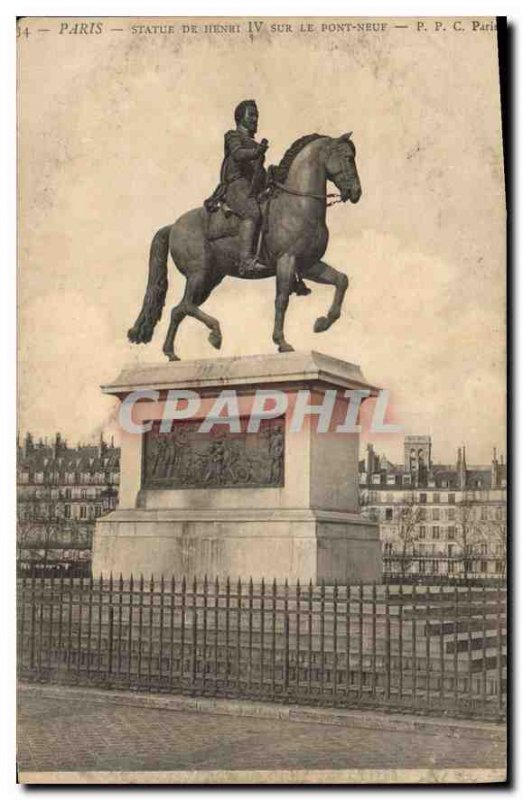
(310, 194)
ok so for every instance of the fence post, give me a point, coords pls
(21, 622)
(347, 640)
(322, 637)
(216, 629)
(262, 635)
(238, 631)
(373, 638)
(130, 630)
(414, 644)
(171, 629)
(298, 635)
(151, 632)
(360, 643)
(249, 676)
(427, 640)
(286, 651)
(79, 639)
(182, 630)
(204, 636)
(273, 638)
(387, 640)
(140, 627)
(100, 622)
(309, 639)
(335, 638)
(456, 642)
(194, 636)
(110, 636)
(227, 626)
(499, 651)
(484, 646)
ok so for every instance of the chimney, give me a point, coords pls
(28, 444)
(57, 445)
(494, 474)
(462, 468)
(369, 461)
(102, 446)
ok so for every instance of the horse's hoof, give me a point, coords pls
(322, 324)
(215, 339)
(171, 356)
(285, 348)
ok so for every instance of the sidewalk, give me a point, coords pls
(79, 730)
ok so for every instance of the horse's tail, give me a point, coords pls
(154, 299)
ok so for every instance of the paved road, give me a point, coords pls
(84, 733)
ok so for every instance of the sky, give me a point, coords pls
(120, 133)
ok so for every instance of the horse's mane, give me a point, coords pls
(280, 173)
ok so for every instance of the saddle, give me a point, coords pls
(223, 222)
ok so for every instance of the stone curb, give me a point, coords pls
(375, 720)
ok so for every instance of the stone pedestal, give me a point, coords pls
(280, 502)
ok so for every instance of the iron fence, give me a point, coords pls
(426, 649)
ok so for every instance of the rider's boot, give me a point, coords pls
(249, 264)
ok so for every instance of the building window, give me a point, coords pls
(98, 510)
(435, 513)
(83, 512)
(422, 531)
(451, 514)
(499, 515)
(388, 514)
(451, 532)
(435, 531)
(423, 497)
(483, 515)
(483, 566)
(452, 498)
(450, 548)
(67, 512)
(435, 497)
(483, 549)
(423, 513)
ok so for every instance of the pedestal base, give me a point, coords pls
(303, 545)
(275, 499)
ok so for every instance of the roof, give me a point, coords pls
(87, 458)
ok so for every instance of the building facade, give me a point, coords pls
(437, 519)
(61, 490)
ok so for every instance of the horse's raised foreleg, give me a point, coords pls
(321, 272)
(198, 288)
(284, 284)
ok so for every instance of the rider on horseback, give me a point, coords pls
(242, 178)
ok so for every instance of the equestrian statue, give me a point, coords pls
(257, 224)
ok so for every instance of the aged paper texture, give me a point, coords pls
(121, 125)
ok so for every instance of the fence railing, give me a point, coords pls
(407, 647)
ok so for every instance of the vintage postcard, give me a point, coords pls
(262, 479)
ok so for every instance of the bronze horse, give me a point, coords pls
(294, 240)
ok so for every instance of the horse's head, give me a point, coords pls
(340, 164)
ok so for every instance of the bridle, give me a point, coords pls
(331, 197)
(296, 192)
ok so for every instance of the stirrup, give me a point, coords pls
(251, 266)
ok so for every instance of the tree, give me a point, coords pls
(408, 518)
(43, 532)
